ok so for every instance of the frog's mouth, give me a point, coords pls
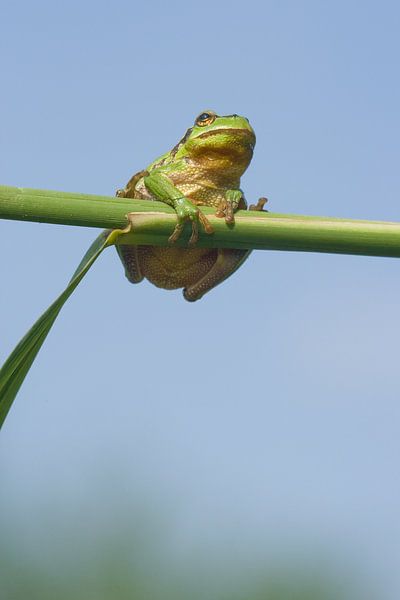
(244, 134)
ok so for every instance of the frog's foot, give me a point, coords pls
(226, 211)
(121, 193)
(229, 205)
(260, 205)
(187, 211)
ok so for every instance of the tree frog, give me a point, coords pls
(203, 169)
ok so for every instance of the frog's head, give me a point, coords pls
(221, 142)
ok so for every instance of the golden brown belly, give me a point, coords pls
(172, 268)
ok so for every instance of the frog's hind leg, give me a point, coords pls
(227, 262)
(130, 260)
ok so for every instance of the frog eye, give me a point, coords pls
(206, 118)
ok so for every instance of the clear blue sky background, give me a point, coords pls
(264, 419)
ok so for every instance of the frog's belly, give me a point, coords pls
(172, 268)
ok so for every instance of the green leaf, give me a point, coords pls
(17, 365)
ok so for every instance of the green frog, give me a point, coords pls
(203, 169)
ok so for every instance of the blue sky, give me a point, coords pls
(264, 418)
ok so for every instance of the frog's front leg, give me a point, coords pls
(129, 190)
(164, 190)
(233, 199)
